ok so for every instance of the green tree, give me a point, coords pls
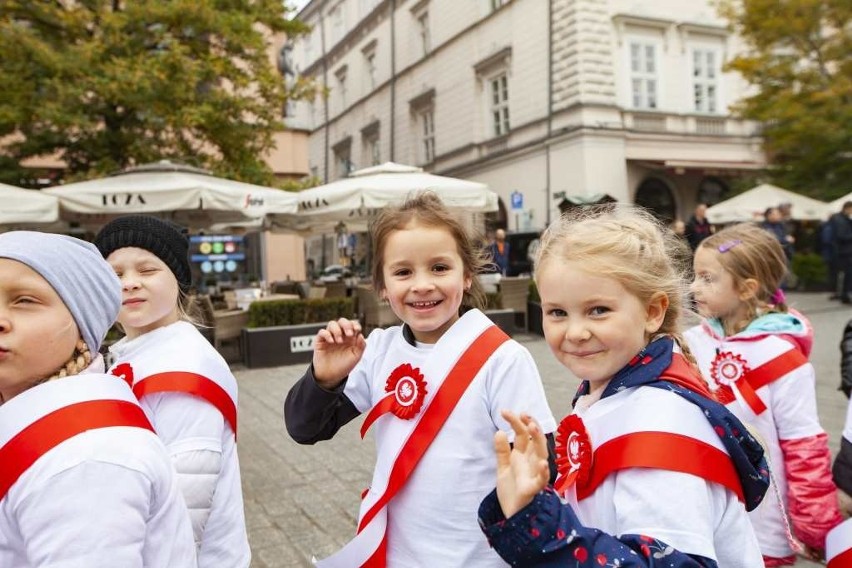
(799, 58)
(105, 84)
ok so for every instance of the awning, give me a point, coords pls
(701, 165)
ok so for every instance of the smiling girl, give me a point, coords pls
(433, 389)
(652, 472)
(184, 385)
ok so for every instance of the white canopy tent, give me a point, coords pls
(836, 205)
(26, 208)
(750, 205)
(355, 200)
(189, 196)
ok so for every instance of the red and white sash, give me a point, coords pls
(369, 547)
(678, 440)
(159, 364)
(838, 545)
(730, 370)
(40, 419)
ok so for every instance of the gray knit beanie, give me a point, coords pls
(86, 283)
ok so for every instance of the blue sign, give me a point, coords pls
(517, 200)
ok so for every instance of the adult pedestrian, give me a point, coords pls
(698, 227)
(841, 226)
(499, 250)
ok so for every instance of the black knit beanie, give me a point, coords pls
(167, 241)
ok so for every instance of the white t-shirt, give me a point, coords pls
(103, 498)
(791, 414)
(199, 439)
(433, 519)
(687, 512)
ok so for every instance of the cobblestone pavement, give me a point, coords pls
(302, 501)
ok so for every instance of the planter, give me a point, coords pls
(535, 318)
(505, 320)
(281, 345)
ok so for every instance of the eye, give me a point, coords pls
(147, 269)
(440, 268)
(400, 272)
(599, 311)
(557, 313)
(25, 300)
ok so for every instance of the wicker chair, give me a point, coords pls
(373, 312)
(514, 293)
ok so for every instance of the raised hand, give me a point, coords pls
(337, 349)
(522, 470)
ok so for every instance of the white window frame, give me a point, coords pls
(643, 66)
(497, 4)
(497, 91)
(421, 24)
(706, 66)
(343, 161)
(341, 75)
(426, 130)
(336, 19)
(370, 67)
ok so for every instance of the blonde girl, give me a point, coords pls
(184, 385)
(432, 387)
(652, 472)
(84, 481)
(753, 352)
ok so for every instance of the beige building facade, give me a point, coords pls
(542, 99)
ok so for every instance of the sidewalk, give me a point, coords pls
(302, 501)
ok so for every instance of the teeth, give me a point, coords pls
(423, 304)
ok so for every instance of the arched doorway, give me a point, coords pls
(711, 190)
(654, 194)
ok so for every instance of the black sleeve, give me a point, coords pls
(846, 359)
(312, 413)
(842, 469)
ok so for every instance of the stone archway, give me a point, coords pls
(655, 195)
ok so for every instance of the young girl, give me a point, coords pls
(433, 388)
(184, 385)
(753, 353)
(84, 481)
(654, 473)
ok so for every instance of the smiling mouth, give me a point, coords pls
(424, 305)
(132, 301)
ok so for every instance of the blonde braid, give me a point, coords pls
(80, 359)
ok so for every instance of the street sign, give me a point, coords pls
(517, 200)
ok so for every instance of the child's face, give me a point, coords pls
(592, 324)
(149, 290)
(716, 295)
(37, 332)
(425, 279)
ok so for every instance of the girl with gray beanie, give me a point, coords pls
(185, 387)
(84, 480)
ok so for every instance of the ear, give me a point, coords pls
(468, 282)
(748, 289)
(656, 312)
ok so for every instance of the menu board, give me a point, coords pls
(218, 254)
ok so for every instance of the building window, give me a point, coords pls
(341, 86)
(497, 4)
(643, 75)
(654, 194)
(370, 67)
(371, 148)
(335, 16)
(343, 161)
(705, 85)
(427, 135)
(422, 20)
(499, 91)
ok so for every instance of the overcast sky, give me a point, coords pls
(298, 4)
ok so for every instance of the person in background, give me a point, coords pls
(698, 227)
(185, 387)
(84, 480)
(499, 251)
(639, 457)
(753, 352)
(841, 228)
(827, 247)
(432, 389)
(842, 468)
(773, 222)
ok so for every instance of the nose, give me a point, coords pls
(129, 283)
(576, 332)
(422, 283)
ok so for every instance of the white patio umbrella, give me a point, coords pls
(750, 205)
(354, 200)
(26, 208)
(190, 196)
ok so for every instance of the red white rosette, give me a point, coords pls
(573, 453)
(124, 371)
(406, 388)
(727, 368)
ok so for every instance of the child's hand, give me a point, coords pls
(337, 349)
(522, 471)
(845, 502)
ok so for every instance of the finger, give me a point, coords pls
(522, 434)
(502, 450)
(347, 327)
(537, 438)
